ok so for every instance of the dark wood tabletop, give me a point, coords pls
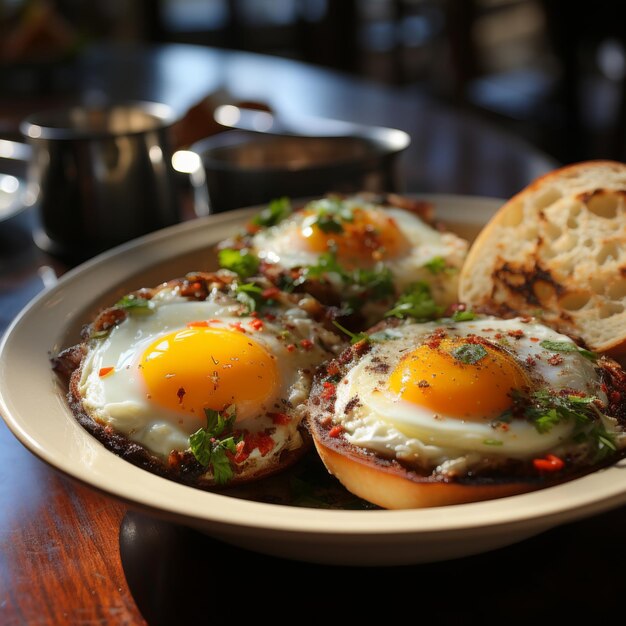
(69, 555)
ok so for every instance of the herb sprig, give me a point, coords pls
(209, 449)
(417, 302)
(545, 410)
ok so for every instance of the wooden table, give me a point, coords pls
(69, 555)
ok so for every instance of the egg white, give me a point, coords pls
(386, 423)
(282, 245)
(120, 400)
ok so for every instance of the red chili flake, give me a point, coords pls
(258, 440)
(254, 314)
(181, 394)
(530, 361)
(252, 229)
(604, 388)
(238, 326)
(256, 324)
(555, 359)
(615, 396)
(198, 324)
(335, 431)
(270, 292)
(329, 390)
(270, 317)
(550, 463)
(498, 335)
(332, 369)
(473, 339)
(291, 347)
(214, 321)
(280, 418)
(105, 371)
(516, 334)
(240, 454)
(535, 339)
(307, 344)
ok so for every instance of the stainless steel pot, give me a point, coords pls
(100, 176)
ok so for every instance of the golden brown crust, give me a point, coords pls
(390, 483)
(557, 250)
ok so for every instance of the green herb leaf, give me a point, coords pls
(566, 346)
(469, 353)
(220, 463)
(326, 263)
(416, 302)
(276, 211)
(249, 295)
(242, 262)
(463, 316)
(493, 442)
(134, 304)
(545, 410)
(377, 282)
(436, 265)
(354, 337)
(210, 451)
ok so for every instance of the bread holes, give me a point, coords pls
(572, 222)
(514, 215)
(574, 301)
(608, 309)
(604, 204)
(552, 231)
(617, 290)
(598, 285)
(544, 291)
(608, 251)
(548, 197)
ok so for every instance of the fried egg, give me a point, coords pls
(155, 375)
(444, 397)
(362, 236)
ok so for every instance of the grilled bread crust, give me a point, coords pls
(557, 250)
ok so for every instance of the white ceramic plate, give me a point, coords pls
(43, 423)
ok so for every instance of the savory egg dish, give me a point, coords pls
(354, 253)
(506, 402)
(224, 377)
(207, 374)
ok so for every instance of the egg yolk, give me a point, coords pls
(209, 368)
(369, 236)
(454, 378)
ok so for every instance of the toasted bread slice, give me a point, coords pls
(392, 486)
(557, 250)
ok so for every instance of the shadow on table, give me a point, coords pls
(177, 575)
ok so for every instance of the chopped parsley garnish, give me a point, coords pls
(493, 442)
(209, 450)
(463, 316)
(436, 265)
(354, 337)
(135, 304)
(545, 410)
(329, 215)
(469, 353)
(375, 283)
(242, 262)
(416, 302)
(276, 211)
(566, 346)
(250, 296)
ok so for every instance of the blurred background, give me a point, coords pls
(550, 71)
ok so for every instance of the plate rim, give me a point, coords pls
(579, 498)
